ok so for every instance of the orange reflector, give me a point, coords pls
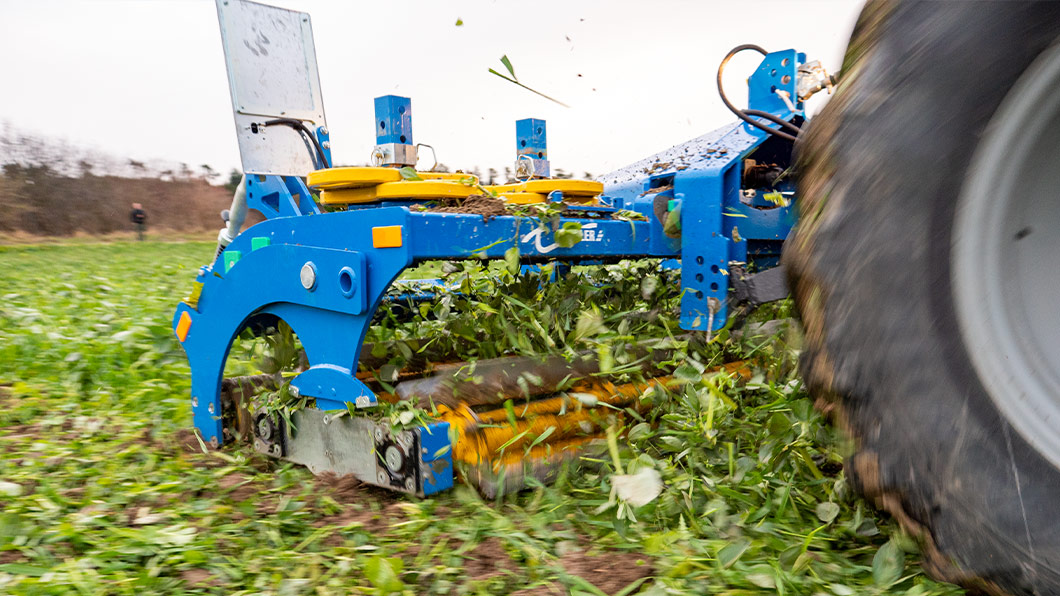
(386, 236)
(183, 325)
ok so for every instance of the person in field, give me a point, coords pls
(138, 216)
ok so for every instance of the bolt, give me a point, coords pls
(326, 144)
(322, 130)
(264, 429)
(209, 408)
(383, 479)
(294, 391)
(194, 402)
(327, 419)
(410, 485)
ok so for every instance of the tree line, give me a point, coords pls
(52, 188)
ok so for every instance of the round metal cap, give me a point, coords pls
(308, 275)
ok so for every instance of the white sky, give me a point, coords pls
(145, 78)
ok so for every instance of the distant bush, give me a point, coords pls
(49, 188)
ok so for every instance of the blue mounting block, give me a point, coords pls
(531, 149)
(393, 120)
(531, 138)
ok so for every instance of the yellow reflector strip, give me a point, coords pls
(183, 326)
(386, 236)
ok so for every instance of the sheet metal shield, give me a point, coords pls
(272, 73)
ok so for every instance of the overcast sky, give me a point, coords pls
(145, 79)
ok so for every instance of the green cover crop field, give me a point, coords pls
(104, 489)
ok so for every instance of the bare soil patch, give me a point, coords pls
(488, 559)
(610, 571)
(486, 206)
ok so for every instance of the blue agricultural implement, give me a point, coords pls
(336, 238)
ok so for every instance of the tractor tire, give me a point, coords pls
(922, 274)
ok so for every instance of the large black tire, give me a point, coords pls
(882, 170)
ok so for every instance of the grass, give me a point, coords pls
(103, 490)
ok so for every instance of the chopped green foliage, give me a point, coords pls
(512, 79)
(103, 490)
(409, 173)
(569, 235)
(508, 64)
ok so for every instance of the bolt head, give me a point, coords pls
(264, 429)
(394, 459)
(410, 485)
(209, 408)
(326, 145)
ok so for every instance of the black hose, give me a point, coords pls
(746, 116)
(299, 126)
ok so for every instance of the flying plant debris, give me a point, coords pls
(513, 79)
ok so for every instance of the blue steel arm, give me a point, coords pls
(280, 196)
(703, 177)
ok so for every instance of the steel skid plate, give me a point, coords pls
(272, 73)
(417, 461)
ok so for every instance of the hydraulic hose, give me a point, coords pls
(747, 115)
(300, 128)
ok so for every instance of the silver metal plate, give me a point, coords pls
(324, 442)
(272, 73)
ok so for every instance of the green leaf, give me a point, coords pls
(21, 569)
(511, 260)
(535, 91)
(541, 438)
(590, 323)
(383, 573)
(569, 235)
(827, 511)
(888, 564)
(459, 22)
(409, 173)
(508, 64)
(732, 552)
(672, 225)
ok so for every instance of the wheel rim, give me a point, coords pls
(1006, 242)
